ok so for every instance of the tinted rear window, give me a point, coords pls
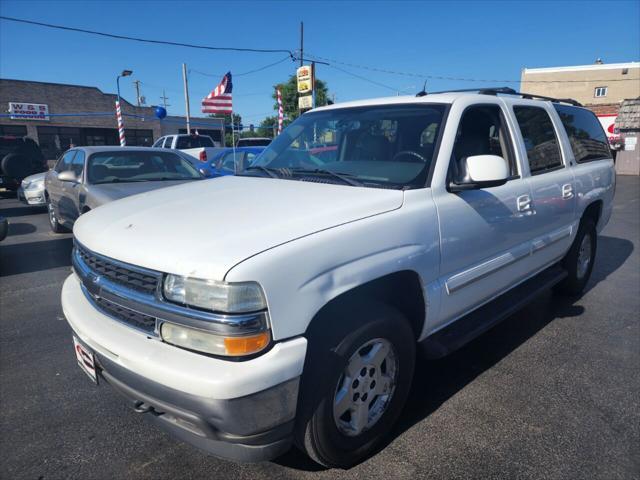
(588, 140)
(194, 141)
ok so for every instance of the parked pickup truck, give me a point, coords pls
(293, 315)
(199, 147)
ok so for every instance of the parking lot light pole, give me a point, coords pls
(123, 143)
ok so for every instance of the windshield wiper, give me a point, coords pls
(118, 180)
(269, 171)
(345, 177)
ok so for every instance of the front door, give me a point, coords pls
(484, 232)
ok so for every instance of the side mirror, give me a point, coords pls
(68, 176)
(481, 171)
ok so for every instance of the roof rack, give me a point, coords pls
(508, 91)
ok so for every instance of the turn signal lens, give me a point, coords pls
(203, 341)
(246, 345)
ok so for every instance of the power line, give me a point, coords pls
(459, 79)
(364, 78)
(146, 40)
(216, 75)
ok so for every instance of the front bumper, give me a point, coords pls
(238, 410)
(33, 198)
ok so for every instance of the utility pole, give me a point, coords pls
(186, 97)
(164, 99)
(301, 42)
(137, 84)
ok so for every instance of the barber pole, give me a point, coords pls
(280, 110)
(123, 142)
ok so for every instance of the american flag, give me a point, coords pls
(219, 100)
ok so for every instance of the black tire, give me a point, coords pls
(318, 432)
(16, 165)
(583, 249)
(56, 226)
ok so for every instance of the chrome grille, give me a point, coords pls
(118, 273)
(126, 315)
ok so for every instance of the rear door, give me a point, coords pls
(484, 232)
(551, 180)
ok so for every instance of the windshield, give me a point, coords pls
(387, 146)
(139, 166)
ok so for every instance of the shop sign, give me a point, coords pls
(305, 102)
(305, 79)
(28, 111)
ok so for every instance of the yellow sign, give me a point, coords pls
(305, 79)
(305, 102)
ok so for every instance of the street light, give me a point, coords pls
(123, 142)
(125, 73)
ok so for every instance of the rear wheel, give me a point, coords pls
(354, 388)
(579, 260)
(55, 225)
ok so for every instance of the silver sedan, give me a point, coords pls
(31, 190)
(86, 177)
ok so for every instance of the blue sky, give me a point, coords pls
(480, 40)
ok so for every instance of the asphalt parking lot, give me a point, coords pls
(553, 392)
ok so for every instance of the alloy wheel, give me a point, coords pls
(365, 387)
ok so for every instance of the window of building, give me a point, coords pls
(588, 140)
(600, 92)
(55, 140)
(13, 131)
(138, 138)
(543, 150)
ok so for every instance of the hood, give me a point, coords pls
(203, 229)
(108, 192)
(34, 178)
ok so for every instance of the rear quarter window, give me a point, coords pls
(588, 140)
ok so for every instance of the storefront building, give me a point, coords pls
(58, 116)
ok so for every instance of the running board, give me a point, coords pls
(465, 329)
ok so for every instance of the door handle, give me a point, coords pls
(523, 203)
(567, 191)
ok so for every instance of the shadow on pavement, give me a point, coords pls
(436, 381)
(21, 228)
(21, 211)
(35, 256)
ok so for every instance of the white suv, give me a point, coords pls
(289, 310)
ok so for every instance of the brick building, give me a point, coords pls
(81, 115)
(600, 87)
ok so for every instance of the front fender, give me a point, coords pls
(302, 276)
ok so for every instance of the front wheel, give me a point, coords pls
(357, 388)
(579, 260)
(56, 226)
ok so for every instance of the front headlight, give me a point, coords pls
(213, 295)
(208, 342)
(36, 185)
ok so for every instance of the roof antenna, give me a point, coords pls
(422, 92)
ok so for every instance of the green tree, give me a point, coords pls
(265, 129)
(237, 121)
(290, 97)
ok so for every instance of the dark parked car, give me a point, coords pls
(253, 142)
(86, 177)
(19, 158)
